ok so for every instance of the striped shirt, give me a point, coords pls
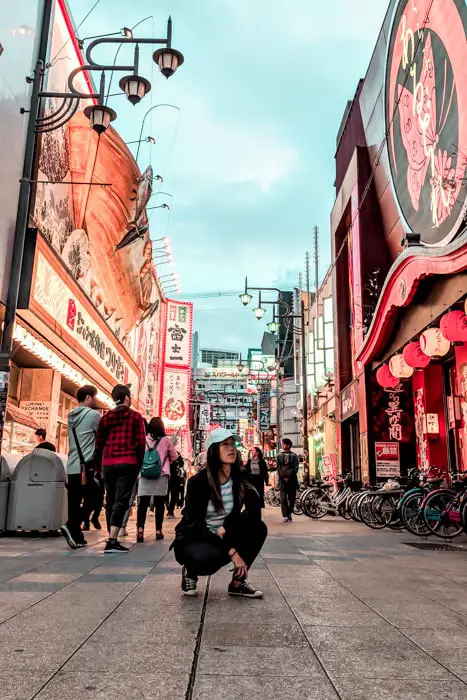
(215, 520)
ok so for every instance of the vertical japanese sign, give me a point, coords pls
(175, 384)
(175, 398)
(178, 334)
(204, 416)
(264, 410)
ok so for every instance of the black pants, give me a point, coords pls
(208, 553)
(119, 481)
(93, 498)
(288, 493)
(75, 496)
(174, 494)
(159, 507)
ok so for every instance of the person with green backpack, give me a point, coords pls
(154, 477)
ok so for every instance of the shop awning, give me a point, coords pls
(18, 415)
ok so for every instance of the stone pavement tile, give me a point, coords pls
(364, 689)
(340, 618)
(156, 655)
(119, 627)
(266, 634)
(121, 686)
(43, 576)
(209, 687)
(455, 660)
(438, 639)
(18, 685)
(264, 661)
(14, 586)
(373, 652)
(13, 603)
(427, 614)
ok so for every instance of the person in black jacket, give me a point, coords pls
(258, 473)
(221, 520)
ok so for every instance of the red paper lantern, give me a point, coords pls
(415, 357)
(453, 326)
(385, 378)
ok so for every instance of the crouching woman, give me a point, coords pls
(221, 520)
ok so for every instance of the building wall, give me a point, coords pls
(21, 27)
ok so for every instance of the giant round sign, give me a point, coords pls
(426, 115)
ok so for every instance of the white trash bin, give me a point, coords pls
(37, 493)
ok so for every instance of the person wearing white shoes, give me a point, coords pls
(221, 521)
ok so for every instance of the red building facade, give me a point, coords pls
(400, 244)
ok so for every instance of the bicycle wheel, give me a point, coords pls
(412, 514)
(464, 514)
(297, 509)
(369, 513)
(442, 515)
(352, 505)
(313, 504)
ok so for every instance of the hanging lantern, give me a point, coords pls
(399, 367)
(385, 378)
(415, 357)
(454, 326)
(433, 343)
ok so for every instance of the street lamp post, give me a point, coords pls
(100, 116)
(273, 326)
(151, 109)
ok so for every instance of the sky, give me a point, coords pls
(249, 158)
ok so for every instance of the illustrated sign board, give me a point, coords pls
(388, 461)
(426, 99)
(174, 404)
(178, 334)
(204, 416)
(54, 296)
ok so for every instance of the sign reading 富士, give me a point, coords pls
(178, 334)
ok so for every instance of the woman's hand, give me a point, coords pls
(240, 568)
(220, 531)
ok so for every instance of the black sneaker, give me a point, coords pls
(80, 545)
(68, 536)
(244, 590)
(113, 546)
(188, 584)
(86, 527)
(96, 523)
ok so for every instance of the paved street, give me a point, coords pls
(348, 613)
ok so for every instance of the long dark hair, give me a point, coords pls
(213, 468)
(156, 428)
(259, 452)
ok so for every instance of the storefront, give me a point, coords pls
(399, 234)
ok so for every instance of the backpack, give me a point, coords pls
(285, 470)
(152, 466)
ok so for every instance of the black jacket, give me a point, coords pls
(193, 523)
(263, 470)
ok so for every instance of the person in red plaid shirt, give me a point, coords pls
(120, 447)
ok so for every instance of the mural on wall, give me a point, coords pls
(426, 105)
(99, 230)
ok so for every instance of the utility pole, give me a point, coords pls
(304, 390)
(316, 260)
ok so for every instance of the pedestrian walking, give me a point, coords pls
(120, 447)
(258, 472)
(220, 522)
(41, 442)
(287, 472)
(81, 468)
(177, 472)
(155, 484)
